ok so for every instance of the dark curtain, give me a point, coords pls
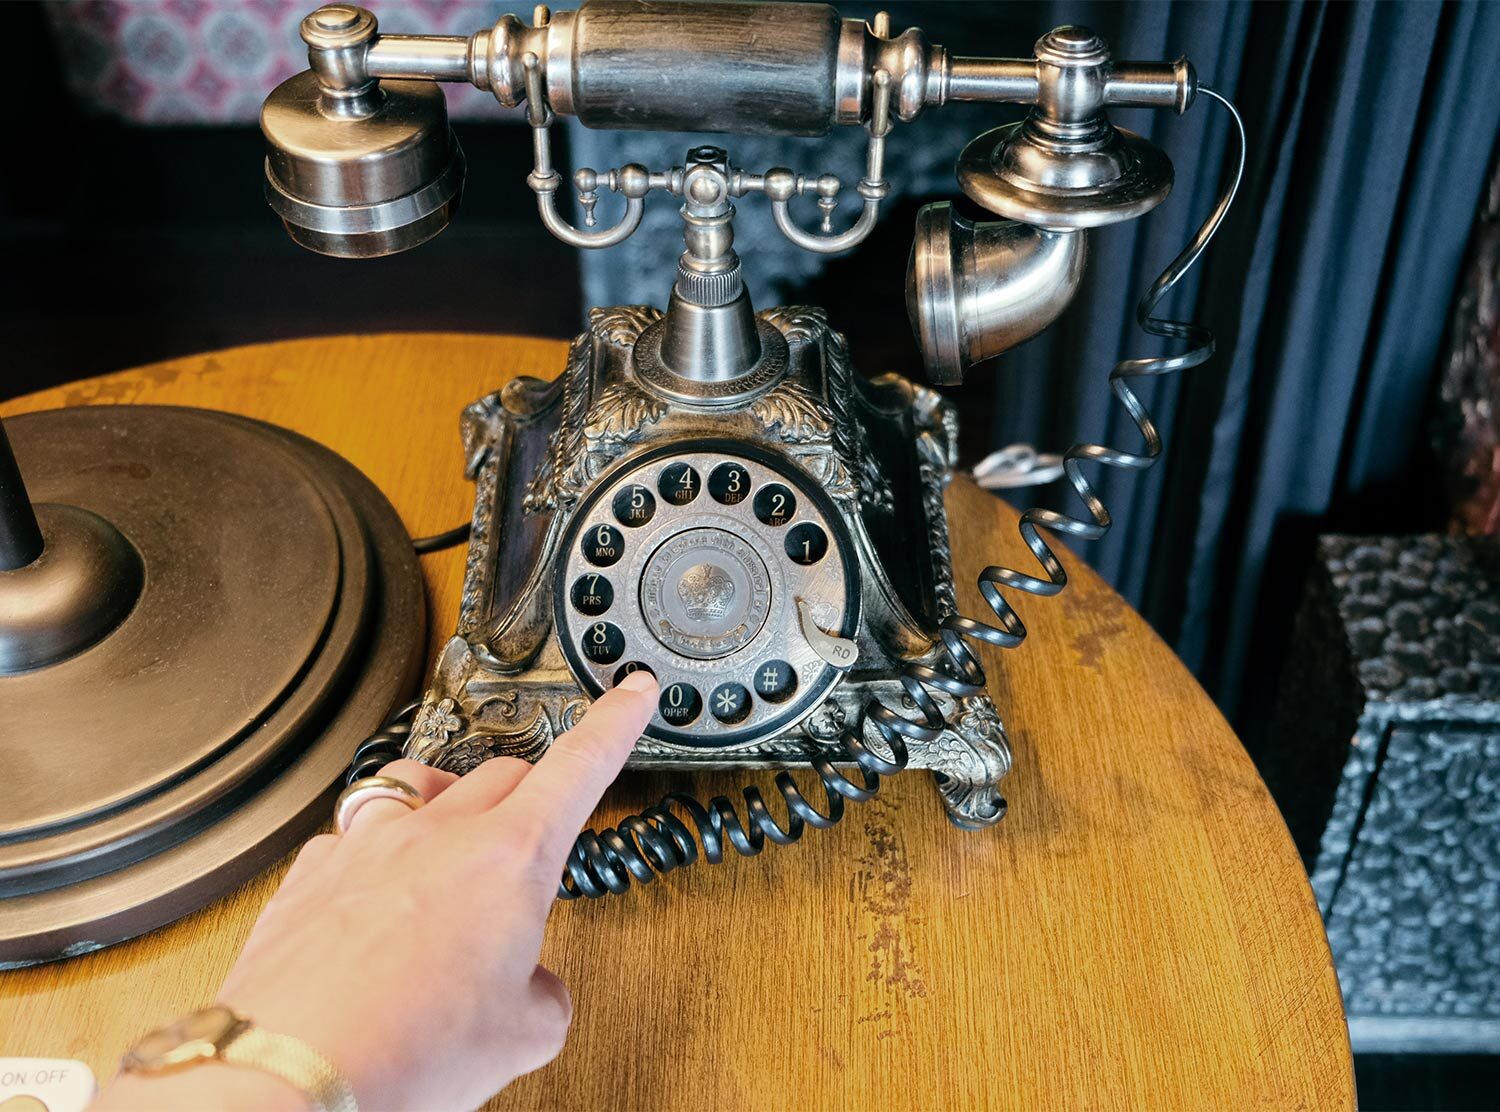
(1371, 126)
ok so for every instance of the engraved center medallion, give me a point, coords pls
(705, 590)
(705, 593)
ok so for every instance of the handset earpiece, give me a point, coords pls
(356, 167)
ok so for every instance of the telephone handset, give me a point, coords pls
(708, 492)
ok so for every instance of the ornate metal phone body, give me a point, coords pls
(712, 493)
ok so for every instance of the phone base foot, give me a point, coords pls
(968, 762)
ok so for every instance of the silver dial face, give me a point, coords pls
(690, 564)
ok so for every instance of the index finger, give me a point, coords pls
(556, 797)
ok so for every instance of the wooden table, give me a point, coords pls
(1138, 932)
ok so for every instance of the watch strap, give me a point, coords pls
(293, 1061)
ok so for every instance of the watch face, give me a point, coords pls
(199, 1035)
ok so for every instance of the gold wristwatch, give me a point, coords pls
(218, 1034)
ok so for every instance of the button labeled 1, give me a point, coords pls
(806, 543)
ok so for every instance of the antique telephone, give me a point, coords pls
(713, 493)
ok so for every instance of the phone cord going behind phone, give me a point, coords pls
(657, 840)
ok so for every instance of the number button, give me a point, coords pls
(806, 543)
(729, 483)
(775, 681)
(632, 666)
(634, 506)
(603, 643)
(592, 594)
(730, 703)
(775, 504)
(680, 703)
(603, 545)
(679, 483)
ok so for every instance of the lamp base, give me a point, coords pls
(196, 730)
(82, 585)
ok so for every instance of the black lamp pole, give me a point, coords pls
(20, 535)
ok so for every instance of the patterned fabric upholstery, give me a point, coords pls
(213, 61)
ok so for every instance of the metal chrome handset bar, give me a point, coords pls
(635, 181)
(604, 64)
(578, 50)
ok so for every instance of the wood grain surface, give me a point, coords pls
(1137, 933)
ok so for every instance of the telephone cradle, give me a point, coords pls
(616, 527)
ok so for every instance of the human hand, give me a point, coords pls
(406, 949)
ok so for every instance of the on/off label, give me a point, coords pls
(58, 1084)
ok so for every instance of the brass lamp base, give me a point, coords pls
(223, 609)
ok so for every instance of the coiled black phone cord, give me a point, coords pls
(384, 746)
(657, 840)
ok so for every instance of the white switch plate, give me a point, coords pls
(61, 1084)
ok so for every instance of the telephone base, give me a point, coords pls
(865, 463)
